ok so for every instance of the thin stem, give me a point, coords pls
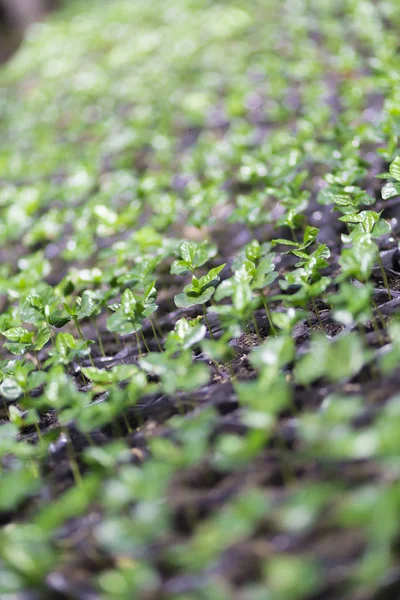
(98, 336)
(138, 344)
(157, 327)
(39, 366)
(144, 341)
(51, 336)
(384, 276)
(375, 326)
(89, 438)
(268, 313)
(155, 335)
(38, 432)
(127, 424)
(85, 381)
(379, 313)
(317, 313)
(6, 407)
(207, 322)
(78, 327)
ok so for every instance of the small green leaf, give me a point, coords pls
(119, 323)
(211, 276)
(58, 321)
(64, 343)
(43, 336)
(187, 251)
(15, 334)
(15, 486)
(10, 389)
(16, 347)
(184, 300)
(180, 267)
(391, 189)
(394, 168)
(88, 305)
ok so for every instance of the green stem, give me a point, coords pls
(375, 324)
(138, 344)
(155, 335)
(39, 365)
(72, 460)
(98, 336)
(268, 313)
(379, 313)
(157, 327)
(317, 313)
(144, 341)
(127, 424)
(78, 327)
(51, 336)
(38, 432)
(6, 407)
(384, 276)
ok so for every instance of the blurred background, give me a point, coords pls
(15, 16)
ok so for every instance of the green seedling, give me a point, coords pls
(200, 290)
(131, 311)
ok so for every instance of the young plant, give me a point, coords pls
(200, 290)
(22, 341)
(131, 311)
(67, 348)
(84, 307)
(365, 227)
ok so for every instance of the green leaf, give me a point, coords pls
(187, 251)
(16, 347)
(366, 218)
(15, 334)
(211, 276)
(64, 343)
(394, 168)
(114, 375)
(346, 357)
(242, 295)
(184, 300)
(313, 365)
(58, 321)
(128, 302)
(42, 337)
(186, 334)
(119, 323)
(391, 189)
(264, 275)
(88, 305)
(180, 267)
(15, 486)
(274, 354)
(284, 242)
(310, 235)
(10, 389)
